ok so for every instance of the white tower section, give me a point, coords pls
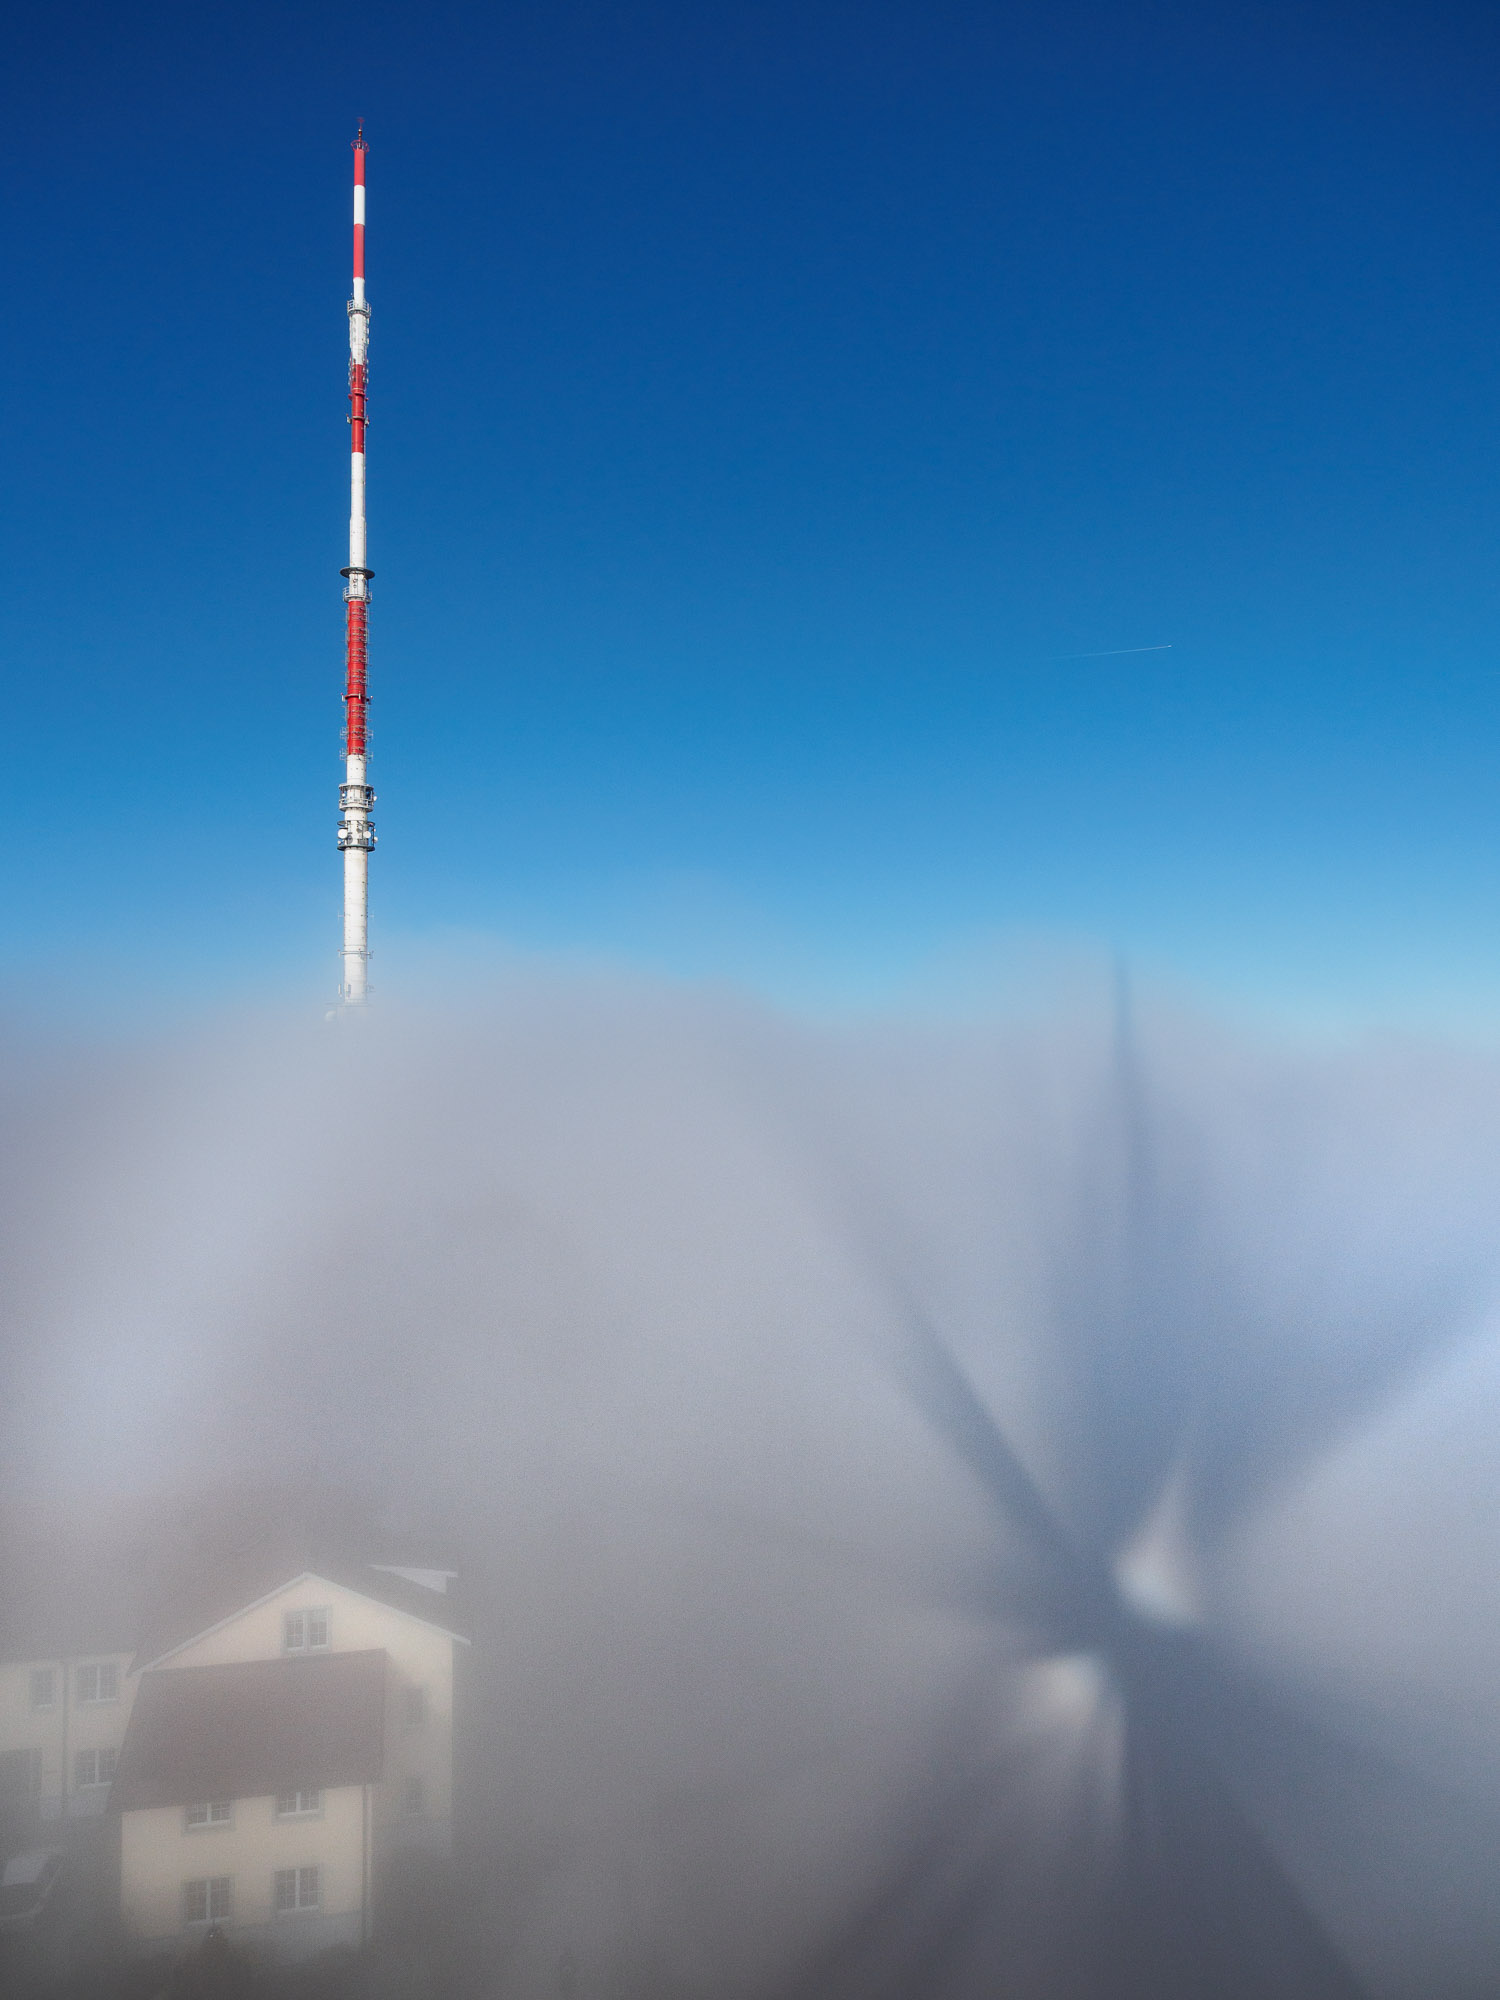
(356, 828)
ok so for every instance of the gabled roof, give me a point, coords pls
(194, 1617)
(249, 1729)
(145, 1575)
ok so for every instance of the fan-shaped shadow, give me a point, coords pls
(1187, 1899)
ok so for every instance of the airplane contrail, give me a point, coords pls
(1114, 652)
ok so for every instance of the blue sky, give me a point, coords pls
(766, 401)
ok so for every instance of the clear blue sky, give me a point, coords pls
(766, 399)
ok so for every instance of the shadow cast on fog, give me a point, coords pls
(940, 1510)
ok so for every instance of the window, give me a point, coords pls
(20, 1775)
(213, 1812)
(100, 1683)
(206, 1901)
(294, 1805)
(94, 1767)
(416, 1707)
(413, 1799)
(41, 1687)
(298, 1889)
(305, 1631)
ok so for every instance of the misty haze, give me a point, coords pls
(673, 1352)
(749, 965)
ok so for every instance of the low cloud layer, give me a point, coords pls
(619, 1291)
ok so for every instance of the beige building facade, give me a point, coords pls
(281, 1759)
(312, 1614)
(294, 1881)
(62, 1725)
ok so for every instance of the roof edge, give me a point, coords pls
(139, 1666)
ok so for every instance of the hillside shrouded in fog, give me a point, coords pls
(680, 1328)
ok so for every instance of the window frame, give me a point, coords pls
(299, 1810)
(296, 1878)
(217, 1813)
(43, 1676)
(414, 1796)
(98, 1668)
(208, 1884)
(98, 1752)
(302, 1619)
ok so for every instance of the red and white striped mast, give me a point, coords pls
(356, 828)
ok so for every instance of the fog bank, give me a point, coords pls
(630, 1298)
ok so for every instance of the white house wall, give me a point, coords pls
(159, 1853)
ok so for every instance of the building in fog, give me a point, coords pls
(67, 1642)
(278, 1759)
(248, 1797)
(62, 1722)
(263, 1750)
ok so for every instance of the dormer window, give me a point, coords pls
(305, 1632)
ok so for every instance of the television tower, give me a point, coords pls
(356, 828)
